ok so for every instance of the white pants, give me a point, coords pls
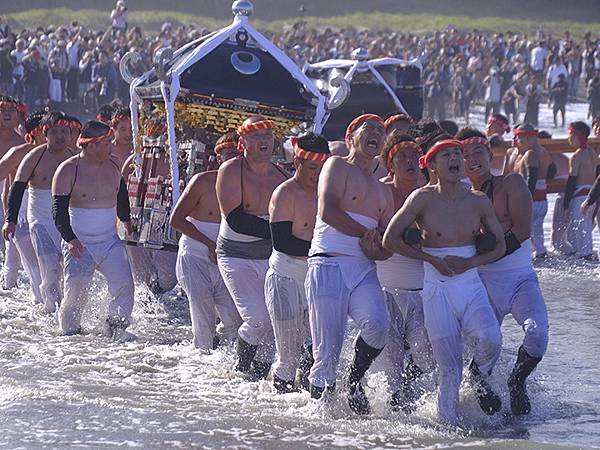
(517, 292)
(47, 244)
(245, 281)
(336, 288)
(286, 302)
(110, 259)
(208, 297)
(12, 262)
(22, 241)
(407, 326)
(579, 228)
(457, 307)
(149, 265)
(537, 227)
(559, 228)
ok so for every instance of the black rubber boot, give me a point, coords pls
(364, 355)
(216, 342)
(399, 402)
(283, 386)
(306, 362)
(489, 402)
(259, 370)
(519, 400)
(410, 375)
(316, 392)
(245, 353)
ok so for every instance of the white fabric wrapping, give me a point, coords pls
(455, 307)
(338, 287)
(286, 302)
(103, 251)
(327, 239)
(537, 226)
(400, 272)
(39, 206)
(47, 243)
(22, 241)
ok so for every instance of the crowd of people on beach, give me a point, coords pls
(76, 68)
(402, 226)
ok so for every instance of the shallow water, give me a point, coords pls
(87, 391)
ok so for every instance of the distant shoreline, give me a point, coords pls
(151, 20)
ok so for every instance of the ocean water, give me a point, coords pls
(159, 392)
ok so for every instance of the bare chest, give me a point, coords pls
(257, 191)
(42, 174)
(364, 195)
(95, 187)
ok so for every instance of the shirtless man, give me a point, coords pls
(293, 209)
(244, 188)
(402, 282)
(88, 194)
(342, 277)
(152, 267)
(511, 282)
(198, 218)
(583, 169)
(497, 125)
(35, 172)
(121, 125)
(9, 121)
(455, 303)
(398, 123)
(534, 163)
(22, 237)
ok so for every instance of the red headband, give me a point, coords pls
(224, 146)
(307, 154)
(406, 144)
(395, 118)
(9, 105)
(494, 121)
(583, 141)
(476, 140)
(76, 125)
(255, 126)
(92, 140)
(438, 147)
(115, 120)
(58, 123)
(103, 119)
(517, 132)
(358, 122)
(29, 138)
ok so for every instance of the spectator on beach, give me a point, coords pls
(492, 93)
(119, 16)
(558, 94)
(534, 96)
(594, 96)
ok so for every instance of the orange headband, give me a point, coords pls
(224, 146)
(255, 126)
(58, 123)
(9, 105)
(92, 140)
(358, 122)
(517, 132)
(476, 140)
(438, 147)
(395, 118)
(399, 146)
(75, 125)
(29, 138)
(307, 154)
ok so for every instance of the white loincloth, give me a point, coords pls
(572, 233)
(206, 292)
(455, 307)
(513, 288)
(338, 287)
(105, 252)
(22, 241)
(286, 302)
(326, 239)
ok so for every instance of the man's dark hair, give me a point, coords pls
(33, 121)
(525, 127)
(120, 111)
(449, 126)
(73, 119)
(105, 112)
(7, 98)
(468, 132)
(232, 136)
(52, 117)
(580, 127)
(93, 128)
(500, 117)
(543, 134)
(312, 142)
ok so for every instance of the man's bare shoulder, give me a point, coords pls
(513, 182)
(18, 151)
(287, 191)
(204, 179)
(230, 165)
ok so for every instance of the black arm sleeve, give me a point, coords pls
(597, 171)
(512, 243)
(569, 191)
(244, 223)
(285, 242)
(60, 212)
(551, 171)
(123, 208)
(15, 198)
(485, 242)
(532, 177)
(411, 236)
(594, 193)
